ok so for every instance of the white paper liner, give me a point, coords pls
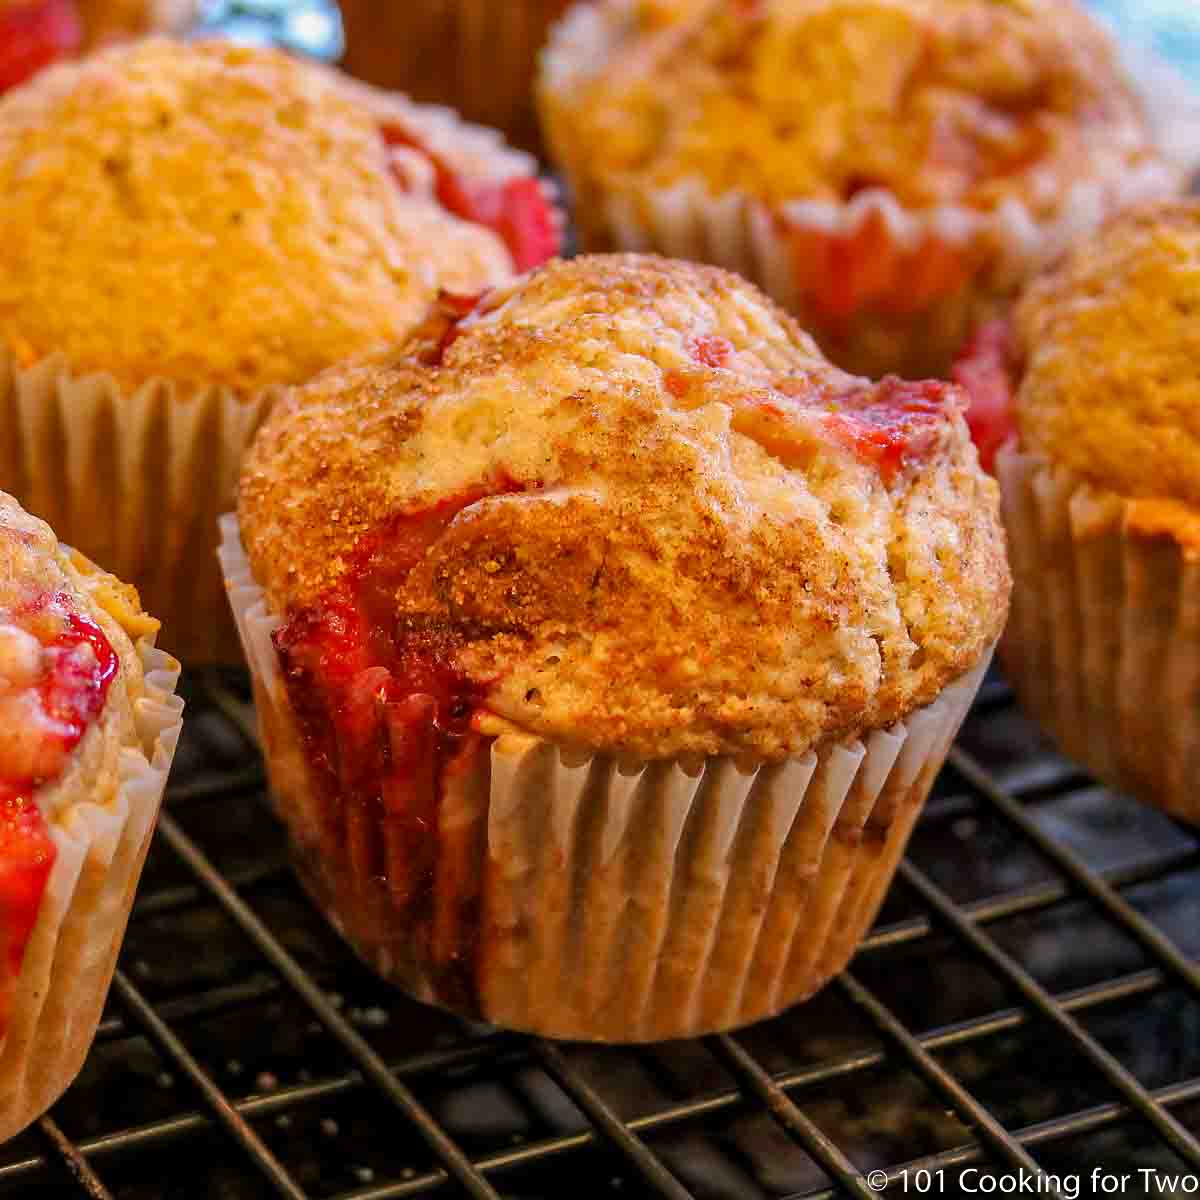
(135, 480)
(69, 961)
(757, 240)
(615, 902)
(1103, 647)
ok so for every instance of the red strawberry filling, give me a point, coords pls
(515, 209)
(867, 269)
(385, 717)
(33, 35)
(443, 326)
(890, 423)
(711, 350)
(56, 668)
(985, 370)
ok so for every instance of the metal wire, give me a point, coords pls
(371, 1065)
(633, 1141)
(77, 1166)
(157, 1030)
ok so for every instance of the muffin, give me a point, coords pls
(477, 55)
(889, 170)
(1096, 376)
(189, 229)
(88, 727)
(606, 641)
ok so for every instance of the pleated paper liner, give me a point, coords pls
(69, 961)
(582, 897)
(883, 288)
(1103, 647)
(136, 480)
(477, 55)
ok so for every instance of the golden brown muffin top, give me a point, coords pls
(1110, 340)
(939, 101)
(647, 514)
(212, 214)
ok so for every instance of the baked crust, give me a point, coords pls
(230, 212)
(655, 554)
(968, 102)
(1108, 341)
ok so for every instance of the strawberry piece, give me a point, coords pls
(891, 422)
(711, 350)
(78, 668)
(676, 383)
(33, 35)
(984, 370)
(515, 209)
(76, 684)
(26, 857)
(384, 713)
(443, 327)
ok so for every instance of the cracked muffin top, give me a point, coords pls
(630, 504)
(214, 214)
(1108, 341)
(938, 101)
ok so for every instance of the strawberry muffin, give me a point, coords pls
(1096, 378)
(890, 170)
(88, 726)
(190, 228)
(606, 643)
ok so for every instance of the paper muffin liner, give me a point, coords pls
(136, 480)
(1103, 647)
(801, 255)
(883, 288)
(477, 55)
(589, 898)
(69, 960)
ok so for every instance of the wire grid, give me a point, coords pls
(1029, 1001)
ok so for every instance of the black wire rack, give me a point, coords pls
(1028, 1005)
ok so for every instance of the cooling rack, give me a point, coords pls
(1028, 1006)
